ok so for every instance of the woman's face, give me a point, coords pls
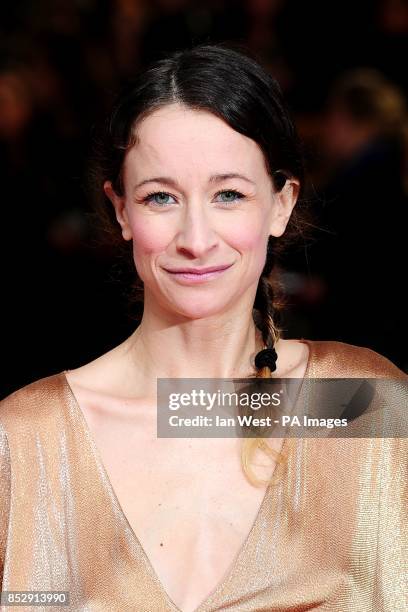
(184, 206)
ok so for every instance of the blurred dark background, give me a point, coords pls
(342, 67)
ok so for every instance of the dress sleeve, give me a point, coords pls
(391, 588)
(5, 493)
(391, 575)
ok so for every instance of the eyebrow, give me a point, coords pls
(215, 178)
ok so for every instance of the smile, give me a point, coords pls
(192, 278)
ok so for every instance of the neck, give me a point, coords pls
(199, 348)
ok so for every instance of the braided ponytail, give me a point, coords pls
(266, 315)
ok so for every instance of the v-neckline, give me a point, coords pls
(239, 557)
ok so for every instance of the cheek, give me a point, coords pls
(248, 238)
(148, 238)
(251, 239)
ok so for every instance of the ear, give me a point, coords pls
(283, 203)
(120, 209)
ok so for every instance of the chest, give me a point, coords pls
(173, 494)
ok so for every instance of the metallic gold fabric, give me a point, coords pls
(332, 535)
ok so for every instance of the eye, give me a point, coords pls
(161, 198)
(231, 195)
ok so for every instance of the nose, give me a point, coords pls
(196, 234)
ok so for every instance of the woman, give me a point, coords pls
(201, 168)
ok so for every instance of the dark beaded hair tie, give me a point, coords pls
(266, 359)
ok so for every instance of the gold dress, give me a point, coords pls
(332, 535)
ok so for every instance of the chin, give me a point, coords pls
(199, 309)
(198, 313)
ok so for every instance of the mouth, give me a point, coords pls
(195, 275)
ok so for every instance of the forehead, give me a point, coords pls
(182, 140)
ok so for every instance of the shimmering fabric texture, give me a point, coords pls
(332, 535)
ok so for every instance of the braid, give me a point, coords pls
(265, 306)
(265, 361)
(267, 315)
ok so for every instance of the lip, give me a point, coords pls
(189, 277)
(198, 270)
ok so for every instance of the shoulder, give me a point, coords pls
(332, 358)
(31, 403)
